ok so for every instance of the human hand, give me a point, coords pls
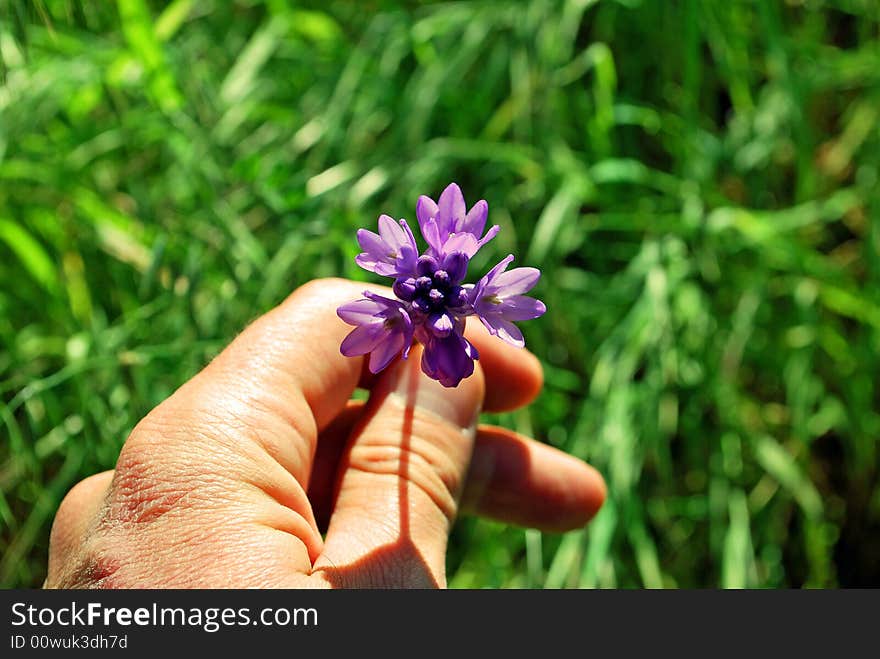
(231, 481)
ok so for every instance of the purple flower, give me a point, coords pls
(432, 302)
(498, 300)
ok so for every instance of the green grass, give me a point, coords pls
(699, 182)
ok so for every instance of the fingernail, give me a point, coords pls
(459, 405)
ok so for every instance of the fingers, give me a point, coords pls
(331, 446)
(401, 478)
(520, 481)
(77, 511)
(229, 454)
(514, 376)
(511, 479)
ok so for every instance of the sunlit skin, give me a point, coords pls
(261, 472)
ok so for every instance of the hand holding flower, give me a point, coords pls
(261, 472)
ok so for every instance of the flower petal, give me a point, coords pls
(440, 325)
(455, 264)
(516, 281)
(377, 256)
(404, 288)
(521, 307)
(406, 262)
(500, 267)
(475, 220)
(451, 209)
(426, 208)
(503, 329)
(470, 349)
(510, 333)
(410, 238)
(461, 242)
(386, 302)
(359, 312)
(372, 244)
(432, 235)
(386, 351)
(363, 339)
(448, 360)
(367, 262)
(392, 233)
(426, 265)
(490, 234)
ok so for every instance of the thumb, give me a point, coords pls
(400, 481)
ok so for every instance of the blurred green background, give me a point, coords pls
(697, 180)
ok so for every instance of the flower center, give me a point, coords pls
(433, 292)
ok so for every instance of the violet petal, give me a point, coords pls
(426, 265)
(387, 302)
(455, 264)
(503, 329)
(410, 238)
(516, 281)
(426, 209)
(451, 209)
(521, 307)
(386, 351)
(500, 267)
(359, 312)
(363, 339)
(372, 244)
(475, 220)
(404, 288)
(440, 324)
(448, 360)
(367, 262)
(490, 234)
(392, 233)
(431, 232)
(462, 242)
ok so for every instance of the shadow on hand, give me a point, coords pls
(498, 472)
(397, 564)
